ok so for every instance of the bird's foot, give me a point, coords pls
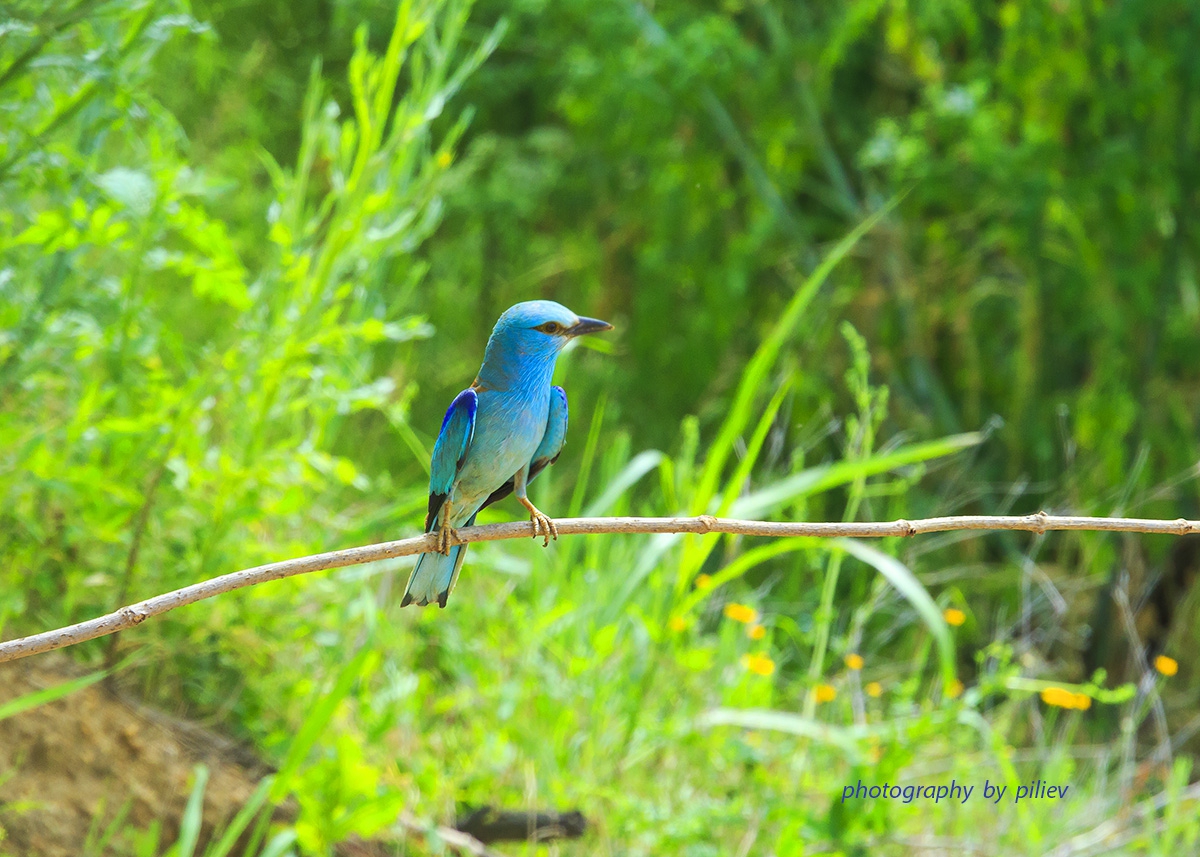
(543, 525)
(447, 537)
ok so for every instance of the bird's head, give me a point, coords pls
(531, 334)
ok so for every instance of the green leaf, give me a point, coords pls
(132, 188)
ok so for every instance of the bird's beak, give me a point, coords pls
(588, 325)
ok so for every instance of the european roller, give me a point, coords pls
(497, 436)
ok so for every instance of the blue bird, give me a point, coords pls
(497, 436)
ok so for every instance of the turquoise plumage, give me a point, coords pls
(497, 436)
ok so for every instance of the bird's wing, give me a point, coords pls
(547, 451)
(450, 451)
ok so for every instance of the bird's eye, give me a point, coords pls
(551, 327)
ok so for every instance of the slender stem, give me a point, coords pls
(135, 614)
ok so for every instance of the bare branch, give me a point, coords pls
(135, 614)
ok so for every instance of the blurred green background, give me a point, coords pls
(867, 259)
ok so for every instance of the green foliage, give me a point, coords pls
(248, 252)
(201, 401)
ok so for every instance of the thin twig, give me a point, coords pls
(135, 614)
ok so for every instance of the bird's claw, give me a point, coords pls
(447, 537)
(543, 526)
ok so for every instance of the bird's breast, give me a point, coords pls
(508, 428)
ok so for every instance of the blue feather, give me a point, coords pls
(498, 435)
(434, 576)
(548, 450)
(458, 429)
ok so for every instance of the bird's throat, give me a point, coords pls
(526, 374)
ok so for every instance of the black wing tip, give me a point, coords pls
(442, 599)
(435, 505)
(408, 599)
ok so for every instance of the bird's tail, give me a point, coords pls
(434, 576)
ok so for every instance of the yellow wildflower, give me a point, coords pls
(954, 689)
(874, 688)
(444, 159)
(954, 616)
(826, 693)
(854, 661)
(1082, 701)
(703, 581)
(1059, 697)
(760, 664)
(1166, 666)
(677, 624)
(756, 632)
(741, 613)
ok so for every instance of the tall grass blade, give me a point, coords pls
(279, 844)
(783, 721)
(814, 480)
(705, 544)
(906, 583)
(630, 474)
(193, 817)
(241, 821)
(50, 694)
(744, 563)
(755, 375)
